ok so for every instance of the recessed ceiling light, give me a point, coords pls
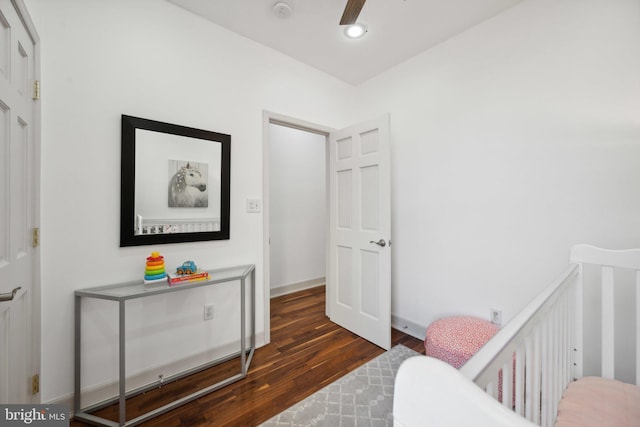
(355, 31)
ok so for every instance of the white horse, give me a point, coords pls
(188, 189)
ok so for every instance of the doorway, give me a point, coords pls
(357, 225)
(301, 147)
(297, 194)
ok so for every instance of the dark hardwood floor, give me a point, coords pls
(306, 353)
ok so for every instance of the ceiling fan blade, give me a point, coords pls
(351, 12)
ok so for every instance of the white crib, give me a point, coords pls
(530, 361)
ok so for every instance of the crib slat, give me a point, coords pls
(565, 343)
(519, 389)
(529, 375)
(637, 308)
(490, 390)
(507, 384)
(547, 375)
(562, 348)
(571, 313)
(556, 359)
(544, 348)
(553, 364)
(536, 373)
(551, 379)
(562, 344)
(578, 329)
(607, 323)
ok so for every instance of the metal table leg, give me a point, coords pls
(243, 351)
(77, 353)
(121, 337)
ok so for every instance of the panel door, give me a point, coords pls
(360, 229)
(17, 213)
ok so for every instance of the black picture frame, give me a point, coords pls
(130, 233)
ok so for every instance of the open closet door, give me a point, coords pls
(359, 276)
(19, 201)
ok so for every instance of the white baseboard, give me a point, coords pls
(409, 327)
(295, 287)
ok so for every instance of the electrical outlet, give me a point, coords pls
(208, 312)
(496, 317)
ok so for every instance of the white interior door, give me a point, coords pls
(18, 347)
(360, 230)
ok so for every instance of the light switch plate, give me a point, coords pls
(254, 205)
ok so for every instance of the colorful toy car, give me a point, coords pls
(187, 267)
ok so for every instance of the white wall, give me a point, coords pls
(297, 217)
(510, 143)
(149, 59)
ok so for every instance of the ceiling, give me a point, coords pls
(397, 29)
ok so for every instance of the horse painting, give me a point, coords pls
(188, 189)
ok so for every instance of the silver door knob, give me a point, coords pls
(9, 295)
(380, 243)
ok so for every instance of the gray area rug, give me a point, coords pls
(363, 397)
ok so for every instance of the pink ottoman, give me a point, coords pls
(455, 339)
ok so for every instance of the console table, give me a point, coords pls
(123, 292)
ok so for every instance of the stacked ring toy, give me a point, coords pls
(154, 269)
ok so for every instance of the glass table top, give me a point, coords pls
(138, 289)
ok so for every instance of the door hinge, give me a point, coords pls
(35, 239)
(35, 384)
(36, 89)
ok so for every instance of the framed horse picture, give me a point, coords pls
(175, 183)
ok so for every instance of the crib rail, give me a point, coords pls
(528, 363)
